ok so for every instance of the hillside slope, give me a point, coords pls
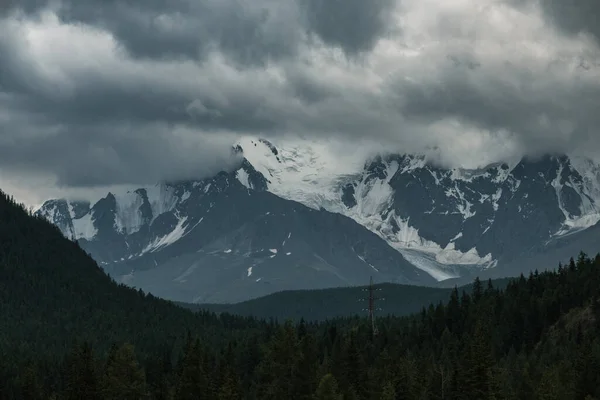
(52, 292)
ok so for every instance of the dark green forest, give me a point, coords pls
(68, 331)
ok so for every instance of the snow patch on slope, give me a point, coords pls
(83, 228)
(408, 238)
(177, 233)
(588, 191)
(162, 199)
(128, 218)
(243, 177)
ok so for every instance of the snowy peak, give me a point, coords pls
(74, 219)
(153, 210)
(304, 171)
(459, 209)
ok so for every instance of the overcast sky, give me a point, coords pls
(105, 92)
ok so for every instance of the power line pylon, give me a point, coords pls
(371, 299)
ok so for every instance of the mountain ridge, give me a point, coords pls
(445, 223)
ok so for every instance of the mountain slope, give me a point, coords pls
(559, 249)
(218, 241)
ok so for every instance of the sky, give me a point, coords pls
(98, 93)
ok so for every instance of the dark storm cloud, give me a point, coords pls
(354, 25)
(246, 31)
(548, 113)
(573, 17)
(130, 91)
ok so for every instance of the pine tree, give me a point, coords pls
(81, 376)
(328, 389)
(405, 379)
(230, 387)
(192, 382)
(277, 371)
(159, 375)
(389, 391)
(305, 379)
(550, 386)
(31, 385)
(453, 313)
(477, 290)
(354, 368)
(478, 365)
(123, 379)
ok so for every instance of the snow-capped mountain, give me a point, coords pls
(297, 216)
(447, 222)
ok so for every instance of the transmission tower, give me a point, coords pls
(371, 307)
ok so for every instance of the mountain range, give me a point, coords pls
(292, 216)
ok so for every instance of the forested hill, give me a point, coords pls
(323, 304)
(60, 316)
(53, 294)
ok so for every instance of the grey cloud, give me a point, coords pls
(195, 74)
(353, 25)
(545, 112)
(84, 156)
(248, 32)
(100, 96)
(574, 17)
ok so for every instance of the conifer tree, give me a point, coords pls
(388, 392)
(123, 379)
(277, 371)
(477, 290)
(81, 376)
(478, 365)
(307, 363)
(230, 387)
(550, 386)
(31, 385)
(328, 389)
(354, 368)
(192, 382)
